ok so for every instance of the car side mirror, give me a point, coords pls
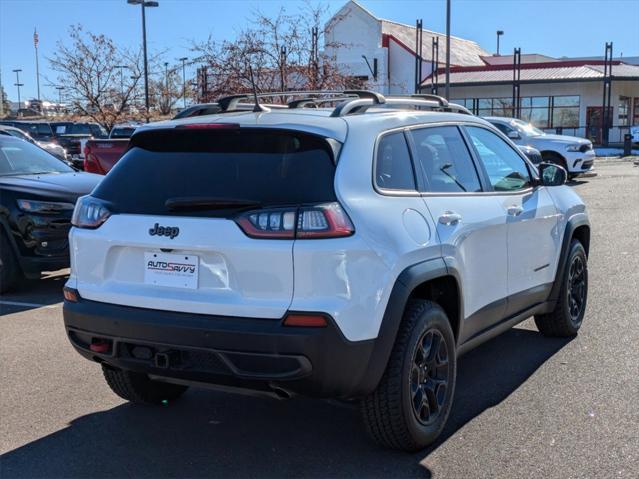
(513, 135)
(552, 175)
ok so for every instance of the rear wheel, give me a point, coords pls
(138, 388)
(9, 269)
(569, 311)
(410, 406)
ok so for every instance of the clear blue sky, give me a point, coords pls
(551, 27)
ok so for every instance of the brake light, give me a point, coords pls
(326, 220)
(89, 212)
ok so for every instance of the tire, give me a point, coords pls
(394, 414)
(551, 157)
(10, 272)
(567, 317)
(138, 388)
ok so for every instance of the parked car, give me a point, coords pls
(119, 132)
(53, 148)
(575, 155)
(634, 131)
(531, 153)
(73, 137)
(37, 196)
(348, 253)
(198, 110)
(38, 130)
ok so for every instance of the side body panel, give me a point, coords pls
(352, 278)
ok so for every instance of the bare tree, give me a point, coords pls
(100, 80)
(283, 52)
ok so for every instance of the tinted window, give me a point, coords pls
(445, 160)
(506, 170)
(269, 167)
(17, 157)
(122, 132)
(393, 169)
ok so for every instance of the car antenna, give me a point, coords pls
(257, 107)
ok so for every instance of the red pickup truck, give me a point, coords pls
(101, 155)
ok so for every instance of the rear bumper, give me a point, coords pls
(249, 353)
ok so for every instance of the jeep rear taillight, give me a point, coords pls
(327, 220)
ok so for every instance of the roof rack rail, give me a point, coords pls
(428, 96)
(432, 102)
(229, 103)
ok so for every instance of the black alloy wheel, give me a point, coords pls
(429, 376)
(576, 288)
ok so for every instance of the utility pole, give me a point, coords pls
(144, 4)
(447, 49)
(36, 40)
(499, 34)
(59, 88)
(18, 84)
(121, 68)
(183, 60)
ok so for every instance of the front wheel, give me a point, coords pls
(566, 318)
(410, 406)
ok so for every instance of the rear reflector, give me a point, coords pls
(307, 320)
(100, 346)
(71, 294)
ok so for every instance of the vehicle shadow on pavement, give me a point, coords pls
(211, 434)
(34, 293)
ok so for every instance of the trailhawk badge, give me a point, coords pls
(170, 231)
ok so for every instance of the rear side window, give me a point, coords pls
(445, 160)
(393, 167)
(265, 166)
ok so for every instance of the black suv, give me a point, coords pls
(37, 196)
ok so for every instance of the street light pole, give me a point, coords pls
(18, 84)
(144, 4)
(499, 34)
(447, 49)
(183, 60)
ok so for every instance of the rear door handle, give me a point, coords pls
(515, 210)
(450, 218)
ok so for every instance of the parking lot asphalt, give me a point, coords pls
(525, 405)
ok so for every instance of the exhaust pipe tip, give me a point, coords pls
(281, 392)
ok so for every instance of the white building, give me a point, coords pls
(354, 35)
(565, 96)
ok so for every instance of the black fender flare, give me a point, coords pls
(571, 226)
(406, 282)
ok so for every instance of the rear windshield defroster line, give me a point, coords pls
(268, 167)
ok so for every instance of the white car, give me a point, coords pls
(575, 155)
(350, 252)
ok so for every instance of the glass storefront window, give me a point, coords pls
(624, 110)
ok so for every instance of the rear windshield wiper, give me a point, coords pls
(207, 203)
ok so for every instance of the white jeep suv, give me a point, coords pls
(575, 155)
(350, 253)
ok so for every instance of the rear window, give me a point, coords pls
(269, 167)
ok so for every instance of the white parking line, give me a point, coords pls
(29, 305)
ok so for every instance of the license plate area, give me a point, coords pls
(171, 270)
